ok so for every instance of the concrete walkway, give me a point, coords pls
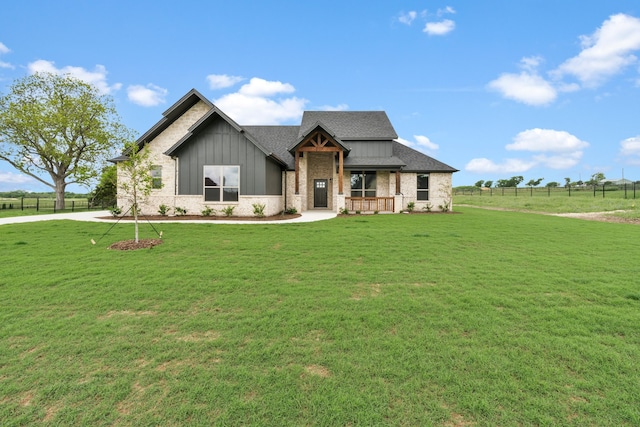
(94, 216)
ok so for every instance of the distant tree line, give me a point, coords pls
(18, 194)
(515, 181)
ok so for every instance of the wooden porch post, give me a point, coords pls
(340, 171)
(297, 171)
(397, 182)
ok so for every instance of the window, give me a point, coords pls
(363, 184)
(221, 183)
(156, 177)
(423, 187)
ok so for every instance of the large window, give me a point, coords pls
(221, 183)
(156, 177)
(423, 187)
(363, 184)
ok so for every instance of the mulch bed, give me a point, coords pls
(205, 218)
(131, 245)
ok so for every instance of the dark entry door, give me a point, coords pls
(319, 193)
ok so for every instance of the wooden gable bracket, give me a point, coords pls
(318, 142)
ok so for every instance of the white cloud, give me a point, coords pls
(540, 140)
(483, 165)
(606, 52)
(527, 87)
(439, 28)
(146, 96)
(97, 77)
(422, 143)
(446, 10)
(339, 107)
(407, 18)
(253, 110)
(565, 148)
(14, 178)
(262, 87)
(4, 50)
(253, 104)
(221, 81)
(426, 142)
(630, 150)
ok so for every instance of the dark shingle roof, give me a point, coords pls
(351, 125)
(277, 139)
(418, 162)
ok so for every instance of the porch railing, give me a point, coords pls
(380, 204)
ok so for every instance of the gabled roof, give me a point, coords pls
(351, 125)
(213, 114)
(173, 113)
(278, 139)
(318, 126)
(417, 161)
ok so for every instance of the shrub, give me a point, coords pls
(115, 211)
(291, 211)
(180, 211)
(228, 211)
(163, 210)
(357, 212)
(427, 207)
(258, 209)
(344, 211)
(411, 206)
(376, 212)
(444, 207)
(208, 211)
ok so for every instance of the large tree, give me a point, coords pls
(58, 130)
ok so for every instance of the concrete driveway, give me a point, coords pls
(94, 216)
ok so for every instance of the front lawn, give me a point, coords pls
(478, 318)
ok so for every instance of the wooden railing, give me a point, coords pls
(380, 204)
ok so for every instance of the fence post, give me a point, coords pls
(22, 203)
(73, 206)
(594, 190)
(625, 190)
(603, 190)
(54, 206)
(516, 191)
(37, 204)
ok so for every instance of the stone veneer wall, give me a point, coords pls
(165, 140)
(439, 191)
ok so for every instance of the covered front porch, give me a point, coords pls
(325, 177)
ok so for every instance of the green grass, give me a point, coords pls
(557, 201)
(44, 207)
(482, 318)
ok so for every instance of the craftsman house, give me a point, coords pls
(332, 160)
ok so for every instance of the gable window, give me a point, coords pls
(156, 177)
(423, 187)
(221, 183)
(363, 184)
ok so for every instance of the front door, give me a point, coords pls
(319, 193)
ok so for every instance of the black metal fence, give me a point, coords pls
(47, 204)
(627, 191)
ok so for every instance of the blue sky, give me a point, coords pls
(542, 88)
